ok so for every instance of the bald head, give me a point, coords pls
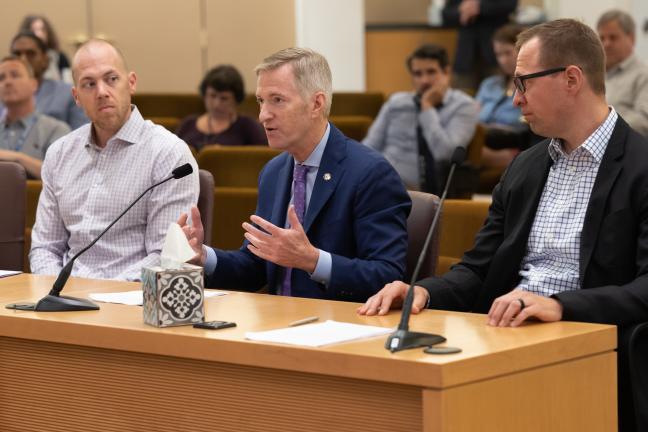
(103, 87)
(94, 50)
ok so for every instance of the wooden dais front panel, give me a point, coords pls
(55, 387)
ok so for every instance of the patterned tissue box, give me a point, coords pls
(173, 297)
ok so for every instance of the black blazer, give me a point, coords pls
(614, 240)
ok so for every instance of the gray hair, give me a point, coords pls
(311, 70)
(624, 19)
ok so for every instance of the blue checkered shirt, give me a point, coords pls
(551, 264)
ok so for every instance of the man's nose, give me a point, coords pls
(101, 88)
(264, 113)
(517, 98)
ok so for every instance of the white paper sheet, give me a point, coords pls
(319, 334)
(7, 273)
(135, 298)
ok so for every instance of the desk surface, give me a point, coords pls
(107, 371)
(499, 351)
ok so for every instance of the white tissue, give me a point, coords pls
(176, 249)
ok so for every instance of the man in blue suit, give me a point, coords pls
(331, 217)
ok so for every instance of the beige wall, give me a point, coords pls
(69, 17)
(169, 43)
(244, 32)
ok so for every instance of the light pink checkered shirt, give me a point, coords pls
(85, 188)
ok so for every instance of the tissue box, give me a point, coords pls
(173, 297)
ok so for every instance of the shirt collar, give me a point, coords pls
(130, 131)
(24, 122)
(595, 144)
(624, 64)
(315, 158)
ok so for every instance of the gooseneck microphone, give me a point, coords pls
(54, 302)
(402, 338)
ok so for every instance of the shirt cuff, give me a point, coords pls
(210, 261)
(322, 273)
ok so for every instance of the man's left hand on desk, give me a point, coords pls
(512, 309)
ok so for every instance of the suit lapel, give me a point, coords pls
(282, 196)
(608, 172)
(329, 174)
(534, 179)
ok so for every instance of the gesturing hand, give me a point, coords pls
(195, 234)
(287, 247)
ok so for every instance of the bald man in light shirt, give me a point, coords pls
(93, 173)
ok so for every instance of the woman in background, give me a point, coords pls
(222, 90)
(59, 65)
(506, 132)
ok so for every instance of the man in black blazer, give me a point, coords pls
(567, 233)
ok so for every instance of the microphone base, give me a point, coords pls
(51, 303)
(404, 339)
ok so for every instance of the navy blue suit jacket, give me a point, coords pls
(359, 216)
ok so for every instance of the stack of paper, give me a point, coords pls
(320, 334)
(7, 273)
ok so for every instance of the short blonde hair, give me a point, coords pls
(311, 70)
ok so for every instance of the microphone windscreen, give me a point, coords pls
(182, 171)
(458, 156)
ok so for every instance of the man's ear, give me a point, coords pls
(319, 104)
(574, 78)
(132, 82)
(75, 95)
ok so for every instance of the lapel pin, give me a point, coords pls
(327, 176)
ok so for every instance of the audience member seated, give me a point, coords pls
(59, 65)
(53, 98)
(626, 80)
(92, 174)
(425, 125)
(506, 132)
(25, 134)
(222, 90)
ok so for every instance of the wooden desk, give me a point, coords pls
(107, 371)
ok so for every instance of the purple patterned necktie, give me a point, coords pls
(299, 201)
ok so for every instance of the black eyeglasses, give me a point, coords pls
(518, 81)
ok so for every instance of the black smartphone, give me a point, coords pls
(214, 325)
